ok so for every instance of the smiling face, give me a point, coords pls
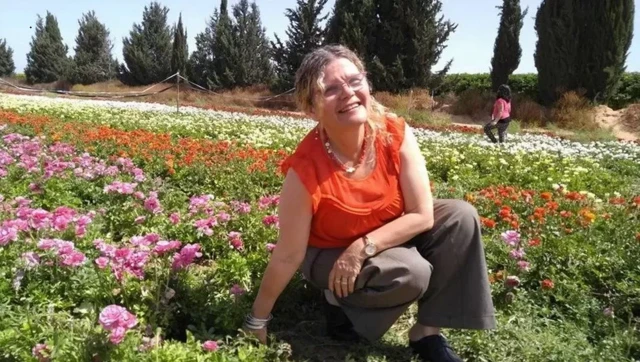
(344, 98)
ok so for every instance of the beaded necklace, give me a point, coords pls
(343, 166)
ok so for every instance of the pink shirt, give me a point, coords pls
(499, 105)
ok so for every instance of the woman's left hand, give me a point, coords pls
(342, 278)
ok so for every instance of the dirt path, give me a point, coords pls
(607, 118)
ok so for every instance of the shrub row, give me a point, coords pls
(527, 84)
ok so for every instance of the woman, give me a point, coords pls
(356, 211)
(501, 115)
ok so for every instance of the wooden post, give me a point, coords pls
(178, 85)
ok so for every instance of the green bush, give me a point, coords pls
(527, 84)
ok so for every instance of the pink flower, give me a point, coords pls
(117, 335)
(517, 254)
(186, 256)
(523, 265)
(608, 312)
(31, 259)
(139, 219)
(7, 234)
(236, 290)
(114, 316)
(235, 240)
(270, 247)
(174, 218)
(512, 281)
(102, 262)
(240, 207)
(119, 187)
(223, 217)
(210, 346)
(152, 203)
(164, 246)
(73, 258)
(511, 237)
(271, 220)
(41, 352)
(139, 195)
(267, 201)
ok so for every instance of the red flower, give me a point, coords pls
(547, 284)
(535, 242)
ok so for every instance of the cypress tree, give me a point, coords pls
(93, 61)
(223, 51)
(507, 51)
(304, 33)
(147, 50)
(605, 32)
(47, 61)
(556, 49)
(7, 67)
(583, 46)
(180, 50)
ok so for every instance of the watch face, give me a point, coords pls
(370, 249)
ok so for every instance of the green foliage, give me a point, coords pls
(304, 34)
(47, 60)
(507, 50)
(399, 40)
(582, 46)
(605, 31)
(147, 50)
(353, 24)
(251, 51)
(7, 67)
(232, 52)
(93, 61)
(180, 49)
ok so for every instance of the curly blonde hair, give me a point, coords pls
(308, 83)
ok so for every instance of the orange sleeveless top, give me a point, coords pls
(345, 209)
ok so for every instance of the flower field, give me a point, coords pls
(130, 232)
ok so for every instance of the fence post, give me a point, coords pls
(178, 85)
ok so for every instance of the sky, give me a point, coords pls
(470, 47)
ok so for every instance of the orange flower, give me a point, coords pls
(546, 195)
(547, 284)
(488, 223)
(469, 197)
(617, 201)
(535, 242)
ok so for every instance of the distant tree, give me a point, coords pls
(147, 50)
(7, 67)
(47, 60)
(232, 52)
(411, 37)
(93, 61)
(354, 24)
(507, 51)
(583, 46)
(180, 50)
(251, 54)
(304, 33)
(201, 63)
(223, 51)
(604, 33)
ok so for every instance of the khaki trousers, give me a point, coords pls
(443, 269)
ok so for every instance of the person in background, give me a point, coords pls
(501, 115)
(357, 213)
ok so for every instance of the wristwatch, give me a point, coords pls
(370, 248)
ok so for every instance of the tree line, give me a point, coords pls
(582, 44)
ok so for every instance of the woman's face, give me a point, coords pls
(345, 99)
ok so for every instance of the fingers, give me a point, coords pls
(331, 279)
(352, 284)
